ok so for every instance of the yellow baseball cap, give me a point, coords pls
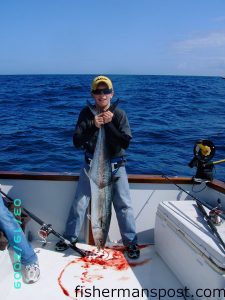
(100, 79)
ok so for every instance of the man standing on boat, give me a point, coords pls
(118, 136)
(19, 244)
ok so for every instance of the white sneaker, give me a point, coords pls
(32, 273)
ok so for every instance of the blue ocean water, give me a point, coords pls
(167, 114)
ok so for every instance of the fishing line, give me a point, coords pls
(144, 205)
(204, 187)
(201, 205)
(180, 188)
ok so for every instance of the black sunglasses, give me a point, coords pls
(102, 91)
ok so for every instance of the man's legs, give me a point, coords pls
(123, 207)
(12, 229)
(77, 211)
(18, 241)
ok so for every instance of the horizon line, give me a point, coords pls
(109, 74)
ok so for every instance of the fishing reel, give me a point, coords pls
(204, 151)
(215, 214)
(44, 232)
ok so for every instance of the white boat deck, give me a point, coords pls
(111, 276)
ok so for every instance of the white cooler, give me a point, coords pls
(186, 243)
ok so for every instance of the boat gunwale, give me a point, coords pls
(132, 178)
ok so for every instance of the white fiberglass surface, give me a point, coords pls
(105, 275)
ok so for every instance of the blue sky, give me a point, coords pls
(174, 37)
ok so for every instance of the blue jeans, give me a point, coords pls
(121, 202)
(15, 236)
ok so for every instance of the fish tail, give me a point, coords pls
(92, 109)
(100, 245)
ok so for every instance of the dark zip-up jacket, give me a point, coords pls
(118, 133)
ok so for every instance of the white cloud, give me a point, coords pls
(200, 65)
(219, 19)
(212, 40)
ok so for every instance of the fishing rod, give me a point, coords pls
(216, 162)
(46, 229)
(202, 210)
